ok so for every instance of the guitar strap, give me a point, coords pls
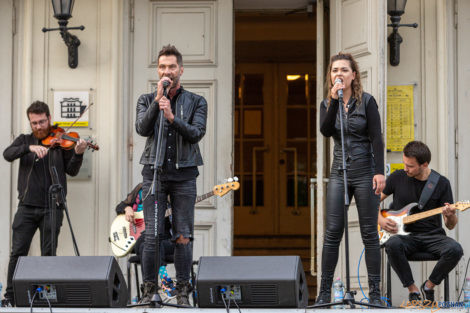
(428, 189)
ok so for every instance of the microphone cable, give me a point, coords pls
(360, 285)
(36, 292)
(32, 300)
(49, 303)
(236, 304)
(222, 293)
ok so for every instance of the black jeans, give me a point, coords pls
(167, 249)
(25, 223)
(359, 185)
(183, 197)
(400, 247)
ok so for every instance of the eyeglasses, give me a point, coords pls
(41, 122)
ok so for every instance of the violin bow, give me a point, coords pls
(81, 114)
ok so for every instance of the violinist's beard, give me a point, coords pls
(40, 134)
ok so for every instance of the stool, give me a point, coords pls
(134, 259)
(416, 257)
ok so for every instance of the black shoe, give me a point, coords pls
(183, 288)
(324, 295)
(9, 300)
(414, 297)
(148, 290)
(427, 294)
(7, 303)
(374, 293)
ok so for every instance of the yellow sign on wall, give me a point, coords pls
(392, 167)
(400, 117)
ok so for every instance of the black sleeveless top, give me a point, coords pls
(362, 131)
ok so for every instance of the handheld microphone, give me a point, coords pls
(165, 85)
(340, 91)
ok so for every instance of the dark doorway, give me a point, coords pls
(275, 134)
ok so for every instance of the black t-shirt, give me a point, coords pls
(39, 182)
(407, 190)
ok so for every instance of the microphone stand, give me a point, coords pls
(348, 298)
(57, 197)
(156, 301)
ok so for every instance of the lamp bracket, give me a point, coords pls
(394, 39)
(414, 25)
(71, 41)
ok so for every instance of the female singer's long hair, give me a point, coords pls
(356, 84)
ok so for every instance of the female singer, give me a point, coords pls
(364, 154)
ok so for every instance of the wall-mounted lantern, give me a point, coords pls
(396, 8)
(62, 12)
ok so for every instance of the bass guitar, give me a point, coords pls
(124, 235)
(402, 218)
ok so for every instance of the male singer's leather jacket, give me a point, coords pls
(190, 124)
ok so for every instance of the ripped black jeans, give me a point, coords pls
(183, 197)
(359, 186)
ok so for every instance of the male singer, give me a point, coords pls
(185, 115)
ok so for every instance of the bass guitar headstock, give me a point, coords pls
(222, 189)
(462, 205)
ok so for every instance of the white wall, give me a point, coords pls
(428, 61)
(462, 93)
(42, 67)
(6, 87)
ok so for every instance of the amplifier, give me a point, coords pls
(251, 281)
(69, 281)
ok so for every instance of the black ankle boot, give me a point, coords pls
(374, 292)
(324, 296)
(148, 290)
(183, 289)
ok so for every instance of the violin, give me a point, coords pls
(58, 137)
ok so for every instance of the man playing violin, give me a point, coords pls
(34, 180)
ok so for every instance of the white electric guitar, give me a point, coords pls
(403, 218)
(124, 235)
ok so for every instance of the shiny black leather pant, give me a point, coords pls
(359, 186)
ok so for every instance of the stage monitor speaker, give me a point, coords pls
(251, 281)
(69, 281)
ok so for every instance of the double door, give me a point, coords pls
(275, 148)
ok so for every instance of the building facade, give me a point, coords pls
(261, 65)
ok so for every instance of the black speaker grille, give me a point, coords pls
(264, 294)
(78, 294)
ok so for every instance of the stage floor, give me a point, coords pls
(220, 310)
